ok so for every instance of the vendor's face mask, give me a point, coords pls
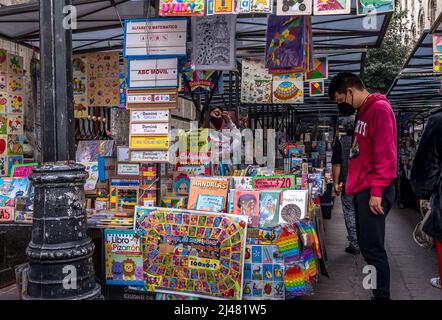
(217, 122)
(346, 109)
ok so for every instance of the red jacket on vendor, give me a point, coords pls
(373, 157)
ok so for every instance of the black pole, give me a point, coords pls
(60, 252)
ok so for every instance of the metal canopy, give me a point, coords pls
(417, 86)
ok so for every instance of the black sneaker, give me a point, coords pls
(352, 250)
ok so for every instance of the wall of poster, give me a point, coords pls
(124, 258)
(156, 37)
(214, 42)
(153, 73)
(191, 252)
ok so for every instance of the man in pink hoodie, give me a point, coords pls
(372, 169)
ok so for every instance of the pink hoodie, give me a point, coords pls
(373, 159)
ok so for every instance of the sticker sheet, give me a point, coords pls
(288, 88)
(263, 273)
(214, 42)
(103, 75)
(256, 82)
(193, 252)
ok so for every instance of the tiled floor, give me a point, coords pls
(411, 266)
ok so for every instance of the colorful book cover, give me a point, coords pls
(263, 273)
(294, 204)
(269, 208)
(10, 188)
(206, 202)
(124, 258)
(246, 203)
(209, 186)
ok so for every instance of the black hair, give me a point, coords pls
(342, 81)
(220, 108)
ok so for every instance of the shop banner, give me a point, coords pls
(155, 37)
(193, 253)
(274, 182)
(153, 73)
(150, 128)
(124, 258)
(149, 116)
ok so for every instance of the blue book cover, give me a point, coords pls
(211, 203)
(269, 208)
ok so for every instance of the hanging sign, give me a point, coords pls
(150, 128)
(149, 156)
(182, 8)
(149, 115)
(274, 182)
(152, 98)
(155, 37)
(153, 73)
(156, 143)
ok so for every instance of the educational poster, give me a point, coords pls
(124, 258)
(292, 8)
(288, 88)
(285, 42)
(256, 82)
(4, 102)
(152, 73)
(15, 124)
(15, 65)
(209, 186)
(374, 7)
(261, 6)
(214, 42)
(15, 104)
(175, 8)
(437, 63)
(223, 7)
(79, 84)
(317, 88)
(437, 43)
(263, 273)
(3, 62)
(329, 7)
(192, 252)
(103, 73)
(246, 203)
(4, 124)
(15, 144)
(320, 69)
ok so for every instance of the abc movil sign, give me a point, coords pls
(155, 37)
(153, 73)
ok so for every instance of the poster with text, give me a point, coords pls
(124, 258)
(192, 252)
(329, 7)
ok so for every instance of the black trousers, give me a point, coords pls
(371, 235)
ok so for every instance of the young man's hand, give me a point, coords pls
(338, 188)
(376, 205)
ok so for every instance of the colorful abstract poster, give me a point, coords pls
(124, 258)
(374, 7)
(223, 7)
(285, 42)
(316, 88)
(437, 43)
(328, 7)
(214, 42)
(192, 252)
(15, 144)
(263, 273)
(256, 82)
(437, 63)
(15, 124)
(292, 8)
(320, 70)
(15, 104)
(103, 75)
(288, 88)
(261, 6)
(186, 8)
(80, 85)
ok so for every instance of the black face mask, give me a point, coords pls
(346, 109)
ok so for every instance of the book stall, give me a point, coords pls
(168, 222)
